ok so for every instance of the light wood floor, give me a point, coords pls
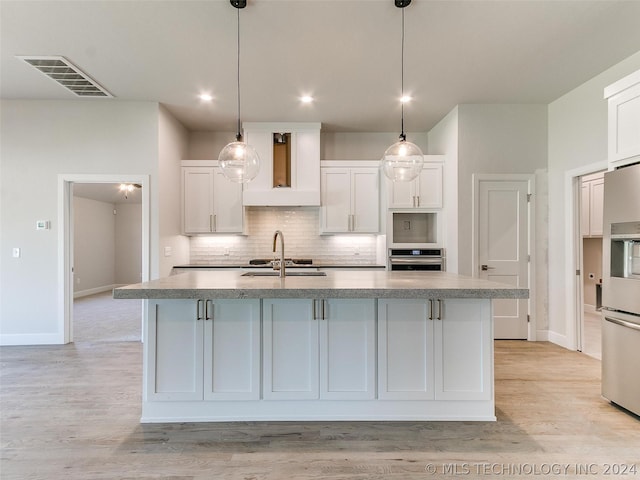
(72, 412)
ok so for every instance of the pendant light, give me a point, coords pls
(238, 161)
(403, 160)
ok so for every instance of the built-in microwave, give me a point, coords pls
(413, 229)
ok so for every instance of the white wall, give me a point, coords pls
(41, 139)
(577, 138)
(128, 243)
(173, 148)
(94, 245)
(443, 140)
(333, 145)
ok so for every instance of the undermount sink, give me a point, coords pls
(275, 273)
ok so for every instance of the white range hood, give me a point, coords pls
(302, 187)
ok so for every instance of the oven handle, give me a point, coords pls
(414, 260)
(622, 323)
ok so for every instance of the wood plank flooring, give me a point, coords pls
(72, 412)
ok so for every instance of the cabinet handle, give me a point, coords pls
(208, 313)
(211, 223)
(199, 310)
(430, 309)
(215, 223)
(322, 310)
(315, 309)
(439, 317)
(417, 200)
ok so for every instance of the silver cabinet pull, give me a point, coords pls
(215, 223)
(315, 309)
(322, 316)
(200, 310)
(439, 317)
(208, 310)
(211, 223)
(430, 309)
(417, 200)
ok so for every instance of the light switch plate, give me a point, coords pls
(43, 225)
(16, 252)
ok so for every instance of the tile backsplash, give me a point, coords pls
(300, 226)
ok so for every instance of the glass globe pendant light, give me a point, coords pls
(239, 161)
(402, 161)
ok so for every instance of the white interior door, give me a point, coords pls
(503, 253)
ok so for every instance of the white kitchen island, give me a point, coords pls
(351, 345)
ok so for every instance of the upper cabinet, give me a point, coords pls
(624, 120)
(289, 164)
(423, 192)
(350, 198)
(210, 202)
(591, 205)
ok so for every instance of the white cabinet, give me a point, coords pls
(304, 168)
(203, 350)
(350, 200)
(319, 349)
(423, 192)
(591, 205)
(211, 203)
(434, 349)
(624, 120)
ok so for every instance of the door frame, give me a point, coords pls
(574, 303)
(65, 239)
(530, 178)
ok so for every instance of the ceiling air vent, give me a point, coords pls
(68, 75)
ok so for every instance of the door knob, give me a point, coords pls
(486, 267)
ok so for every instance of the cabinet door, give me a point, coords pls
(596, 207)
(232, 350)
(463, 350)
(347, 349)
(227, 204)
(624, 124)
(402, 194)
(174, 354)
(405, 350)
(429, 191)
(336, 200)
(197, 195)
(290, 349)
(365, 200)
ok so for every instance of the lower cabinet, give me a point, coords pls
(203, 350)
(319, 349)
(435, 349)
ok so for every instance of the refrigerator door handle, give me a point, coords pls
(622, 323)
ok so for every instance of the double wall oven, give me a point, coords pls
(621, 288)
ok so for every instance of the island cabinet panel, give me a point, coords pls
(174, 351)
(290, 350)
(435, 349)
(463, 350)
(232, 351)
(405, 350)
(319, 349)
(347, 349)
(199, 349)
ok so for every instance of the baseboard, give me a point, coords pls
(542, 335)
(558, 339)
(16, 339)
(93, 291)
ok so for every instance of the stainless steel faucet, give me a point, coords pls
(282, 263)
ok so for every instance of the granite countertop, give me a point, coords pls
(246, 265)
(336, 284)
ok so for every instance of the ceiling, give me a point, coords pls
(106, 192)
(346, 53)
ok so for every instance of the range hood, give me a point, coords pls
(289, 164)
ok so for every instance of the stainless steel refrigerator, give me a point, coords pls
(621, 288)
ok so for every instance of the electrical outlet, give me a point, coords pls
(16, 252)
(168, 251)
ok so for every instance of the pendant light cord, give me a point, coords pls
(403, 137)
(238, 134)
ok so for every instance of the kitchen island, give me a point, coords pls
(378, 345)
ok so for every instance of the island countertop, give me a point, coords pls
(336, 284)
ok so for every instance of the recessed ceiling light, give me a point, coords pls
(205, 97)
(306, 99)
(405, 99)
